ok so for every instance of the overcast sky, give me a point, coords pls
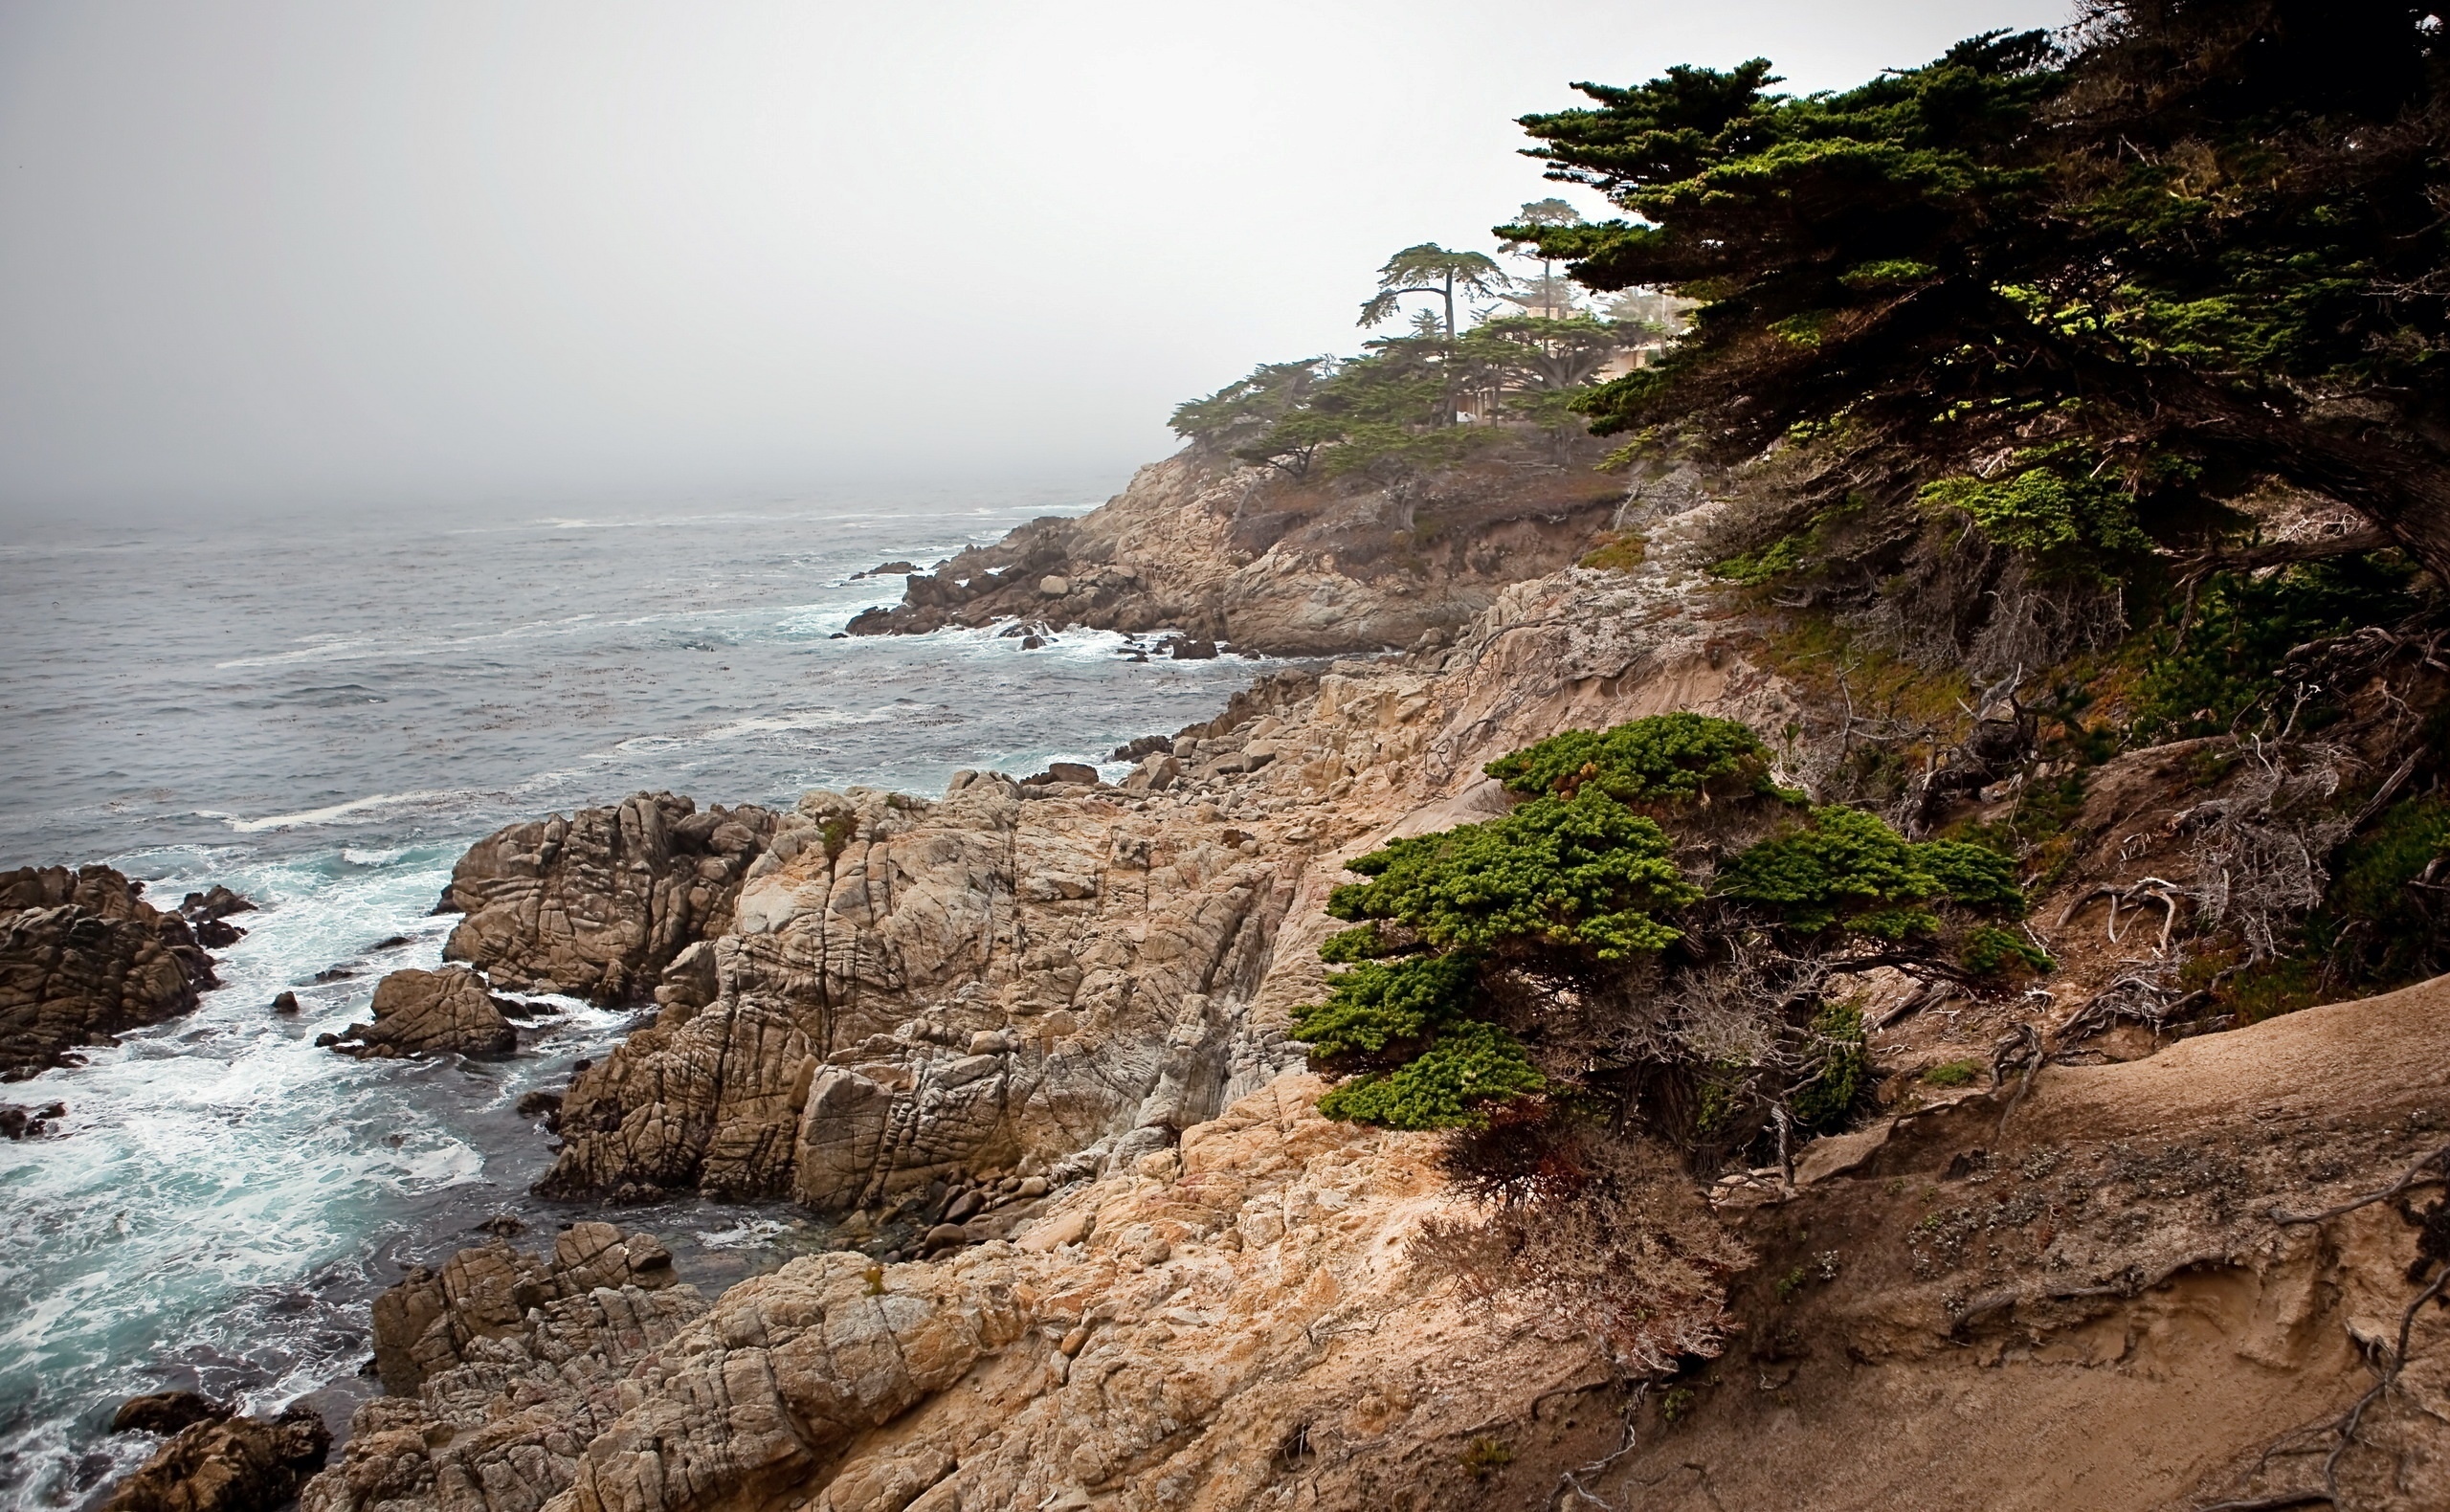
(347, 253)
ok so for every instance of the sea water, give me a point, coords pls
(322, 712)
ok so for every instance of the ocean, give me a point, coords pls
(322, 713)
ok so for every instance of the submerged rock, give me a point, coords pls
(83, 957)
(434, 1013)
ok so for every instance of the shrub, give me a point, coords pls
(1472, 1063)
(2229, 660)
(1373, 1006)
(1845, 867)
(1843, 1072)
(1361, 943)
(1660, 761)
(1991, 951)
(1584, 872)
(2054, 508)
(1953, 1073)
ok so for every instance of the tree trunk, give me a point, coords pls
(2404, 491)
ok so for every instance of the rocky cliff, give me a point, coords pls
(2087, 1245)
(1274, 566)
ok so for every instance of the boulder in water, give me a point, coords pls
(18, 1123)
(434, 1013)
(233, 1465)
(167, 1412)
(83, 957)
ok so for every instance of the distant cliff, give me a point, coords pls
(1280, 567)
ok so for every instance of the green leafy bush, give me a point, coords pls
(1375, 1005)
(1845, 867)
(1843, 1072)
(1584, 872)
(1991, 951)
(2228, 661)
(1360, 943)
(1471, 1064)
(1953, 1073)
(2380, 918)
(2053, 509)
(1658, 760)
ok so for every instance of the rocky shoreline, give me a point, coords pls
(1028, 1045)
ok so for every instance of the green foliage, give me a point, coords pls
(1583, 873)
(1660, 761)
(1244, 409)
(2199, 233)
(2069, 519)
(1989, 950)
(1485, 1455)
(1431, 269)
(1617, 553)
(1360, 943)
(2388, 907)
(1777, 560)
(1843, 1074)
(2226, 668)
(1446, 1087)
(1373, 1006)
(1848, 867)
(1953, 1073)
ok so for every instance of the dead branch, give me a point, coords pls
(2438, 1163)
(2281, 553)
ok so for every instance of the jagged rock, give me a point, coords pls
(433, 1321)
(285, 1002)
(83, 957)
(431, 1013)
(503, 1368)
(233, 1464)
(599, 904)
(207, 913)
(876, 940)
(167, 1412)
(690, 980)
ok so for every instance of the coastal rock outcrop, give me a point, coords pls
(434, 1013)
(84, 957)
(504, 1368)
(433, 1321)
(912, 988)
(1264, 1317)
(597, 904)
(1239, 554)
(229, 1465)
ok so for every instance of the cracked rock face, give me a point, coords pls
(910, 988)
(503, 1369)
(229, 1465)
(434, 1013)
(1209, 1326)
(83, 957)
(598, 904)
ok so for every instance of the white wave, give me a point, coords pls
(327, 814)
(751, 1232)
(365, 856)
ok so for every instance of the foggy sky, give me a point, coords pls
(357, 254)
